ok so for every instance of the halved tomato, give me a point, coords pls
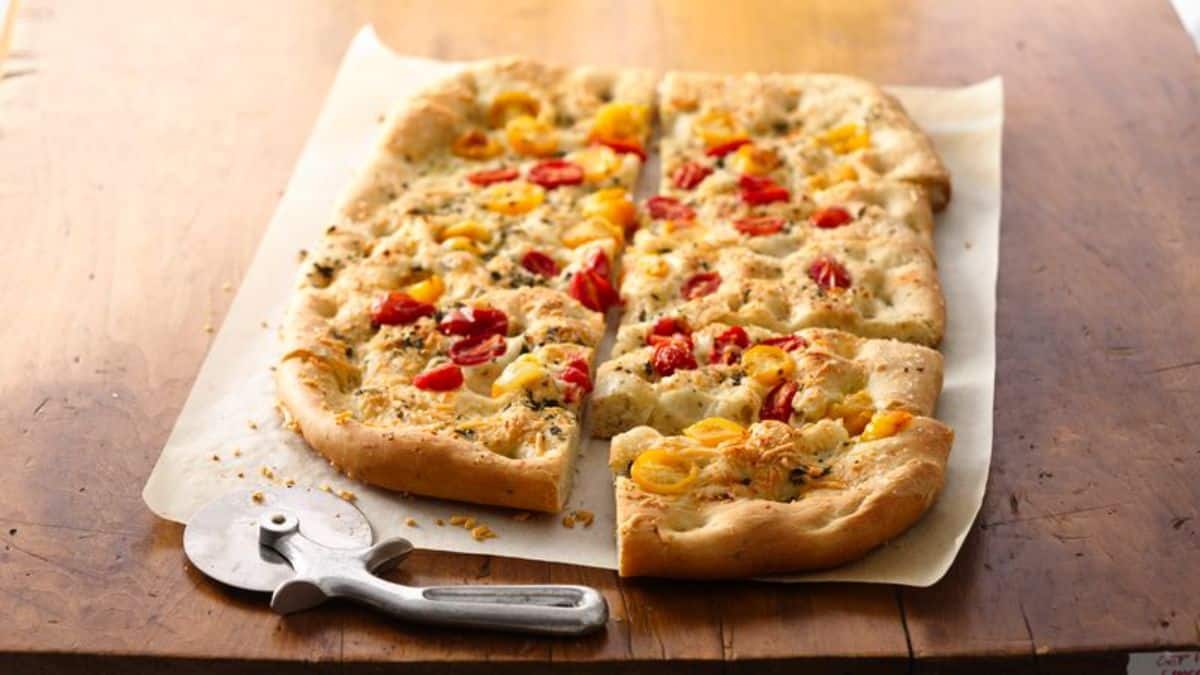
(555, 172)
(485, 178)
(757, 226)
(672, 355)
(728, 346)
(700, 285)
(476, 349)
(689, 175)
(788, 343)
(474, 321)
(829, 273)
(539, 263)
(756, 190)
(446, 377)
(778, 403)
(398, 308)
(830, 217)
(669, 208)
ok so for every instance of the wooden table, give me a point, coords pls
(143, 147)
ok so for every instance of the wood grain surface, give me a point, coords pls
(143, 147)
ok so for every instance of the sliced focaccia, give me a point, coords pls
(442, 335)
(778, 136)
(870, 286)
(677, 376)
(723, 501)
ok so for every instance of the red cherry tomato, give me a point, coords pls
(689, 175)
(600, 265)
(829, 273)
(778, 403)
(474, 321)
(672, 355)
(540, 264)
(485, 178)
(757, 226)
(397, 308)
(726, 148)
(669, 208)
(577, 378)
(476, 349)
(700, 285)
(728, 346)
(624, 147)
(669, 328)
(446, 377)
(788, 343)
(593, 291)
(555, 172)
(831, 217)
(757, 190)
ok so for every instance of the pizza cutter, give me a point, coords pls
(306, 546)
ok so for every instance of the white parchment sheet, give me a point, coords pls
(229, 430)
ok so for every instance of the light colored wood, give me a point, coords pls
(143, 147)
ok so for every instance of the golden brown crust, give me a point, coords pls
(824, 528)
(421, 462)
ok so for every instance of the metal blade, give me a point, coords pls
(222, 538)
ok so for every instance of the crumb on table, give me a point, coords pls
(347, 495)
(257, 497)
(410, 521)
(483, 533)
(568, 520)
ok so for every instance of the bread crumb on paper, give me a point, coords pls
(440, 522)
(410, 521)
(585, 517)
(227, 287)
(347, 495)
(252, 424)
(483, 533)
(522, 515)
(568, 521)
(267, 473)
(257, 497)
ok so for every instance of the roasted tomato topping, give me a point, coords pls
(725, 148)
(398, 308)
(778, 403)
(623, 147)
(446, 377)
(788, 343)
(669, 328)
(484, 178)
(757, 226)
(700, 285)
(577, 378)
(669, 208)
(831, 217)
(600, 264)
(539, 263)
(593, 290)
(555, 172)
(756, 190)
(672, 355)
(829, 273)
(476, 349)
(728, 346)
(689, 175)
(474, 322)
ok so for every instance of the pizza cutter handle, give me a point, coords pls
(545, 609)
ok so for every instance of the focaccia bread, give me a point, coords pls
(722, 501)
(875, 287)
(441, 337)
(790, 133)
(679, 376)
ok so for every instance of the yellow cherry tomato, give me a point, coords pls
(592, 229)
(621, 121)
(718, 127)
(713, 431)
(530, 136)
(754, 160)
(854, 411)
(523, 372)
(462, 244)
(831, 177)
(509, 105)
(664, 472)
(513, 198)
(428, 290)
(613, 204)
(846, 138)
(598, 162)
(768, 364)
(476, 144)
(885, 423)
(471, 229)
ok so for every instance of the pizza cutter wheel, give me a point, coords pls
(306, 546)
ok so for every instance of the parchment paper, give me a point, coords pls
(229, 434)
